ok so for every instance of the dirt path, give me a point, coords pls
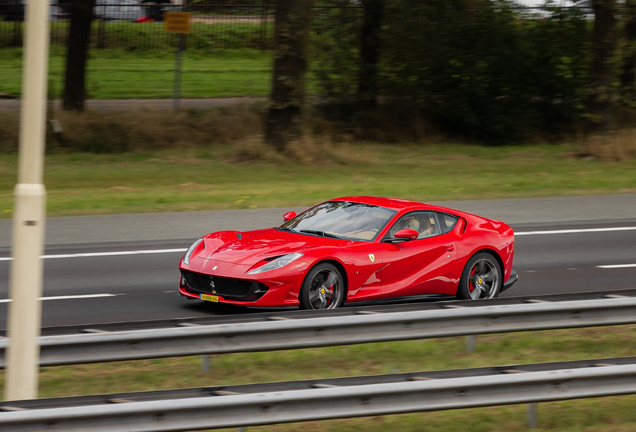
(160, 104)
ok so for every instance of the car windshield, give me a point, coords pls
(342, 219)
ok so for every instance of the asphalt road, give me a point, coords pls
(562, 245)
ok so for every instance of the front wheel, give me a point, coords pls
(323, 288)
(481, 279)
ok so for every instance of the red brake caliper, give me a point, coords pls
(471, 287)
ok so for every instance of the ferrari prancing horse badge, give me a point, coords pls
(372, 257)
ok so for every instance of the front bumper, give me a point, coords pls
(245, 290)
(514, 277)
(231, 285)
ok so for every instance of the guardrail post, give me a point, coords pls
(532, 415)
(205, 363)
(471, 342)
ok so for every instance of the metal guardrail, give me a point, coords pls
(227, 390)
(223, 409)
(327, 331)
(244, 315)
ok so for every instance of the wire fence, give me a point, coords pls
(138, 26)
(133, 25)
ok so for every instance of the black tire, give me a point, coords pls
(482, 278)
(323, 288)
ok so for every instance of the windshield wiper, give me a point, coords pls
(320, 233)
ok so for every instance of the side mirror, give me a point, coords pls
(289, 216)
(406, 234)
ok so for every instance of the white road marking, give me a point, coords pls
(181, 250)
(104, 254)
(614, 266)
(575, 231)
(69, 297)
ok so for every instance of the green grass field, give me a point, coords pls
(116, 74)
(210, 178)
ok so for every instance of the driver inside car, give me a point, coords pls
(407, 222)
(428, 229)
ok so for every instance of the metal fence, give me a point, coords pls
(134, 25)
(138, 26)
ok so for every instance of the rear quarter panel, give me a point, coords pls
(483, 234)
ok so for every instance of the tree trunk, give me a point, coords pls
(291, 35)
(78, 38)
(602, 101)
(370, 53)
(629, 56)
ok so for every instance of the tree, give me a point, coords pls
(629, 55)
(602, 73)
(291, 37)
(78, 38)
(370, 53)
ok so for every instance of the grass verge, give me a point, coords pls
(602, 414)
(118, 74)
(249, 175)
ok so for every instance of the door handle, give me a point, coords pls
(450, 248)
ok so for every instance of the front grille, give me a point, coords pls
(230, 288)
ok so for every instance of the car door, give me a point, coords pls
(363, 262)
(422, 266)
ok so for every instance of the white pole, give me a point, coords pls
(25, 284)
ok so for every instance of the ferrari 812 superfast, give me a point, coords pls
(350, 250)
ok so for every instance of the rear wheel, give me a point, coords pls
(481, 279)
(323, 288)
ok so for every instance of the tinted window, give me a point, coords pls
(447, 222)
(427, 224)
(348, 220)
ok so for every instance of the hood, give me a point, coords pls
(255, 246)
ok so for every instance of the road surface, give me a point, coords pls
(124, 268)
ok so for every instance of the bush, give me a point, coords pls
(335, 41)
(472, 67)
(138, 130)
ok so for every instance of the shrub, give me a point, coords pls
(472, 67)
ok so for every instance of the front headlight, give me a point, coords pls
(277, 263)
(186, 257)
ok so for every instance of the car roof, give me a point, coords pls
(391, 203)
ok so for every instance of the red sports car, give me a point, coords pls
(350, 250)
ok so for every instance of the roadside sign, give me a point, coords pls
(176, 22)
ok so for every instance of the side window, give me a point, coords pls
(447, 222)
(425, 223)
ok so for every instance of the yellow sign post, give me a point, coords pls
(177, 22)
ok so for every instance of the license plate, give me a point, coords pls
(210, 298)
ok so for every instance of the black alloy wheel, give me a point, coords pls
(481, 279)
(323, 288)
